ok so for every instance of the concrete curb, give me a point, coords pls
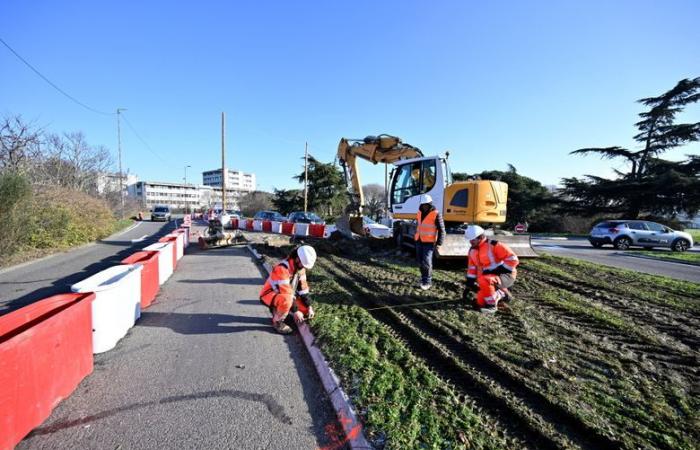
(659, 259)
(344, 411)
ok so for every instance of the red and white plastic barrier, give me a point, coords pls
(276, 227)
(172, 241)
(257, 225)
(165, 260)
(301, 229)
(117, 303)
(45, 351)
(317, 230)
(149, 275)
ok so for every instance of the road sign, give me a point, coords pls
(520, 228)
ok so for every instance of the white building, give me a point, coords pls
(236, 180)
(109, 182)
(181, 196)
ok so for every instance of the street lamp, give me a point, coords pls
(187, 206)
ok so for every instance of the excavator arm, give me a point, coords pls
(376, 149)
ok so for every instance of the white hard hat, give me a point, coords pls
(426, 198)
(473, 232)
(307, 256)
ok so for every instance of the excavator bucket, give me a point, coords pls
(349, 225)
(455, 246)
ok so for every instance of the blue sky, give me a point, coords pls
(505, 82)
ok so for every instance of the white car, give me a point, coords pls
(376, 230)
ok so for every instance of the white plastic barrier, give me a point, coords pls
(276, 227)
(180, 247)
(165, 260)
(257, 225)
(242, 223)
(301, 229)
(117, 303)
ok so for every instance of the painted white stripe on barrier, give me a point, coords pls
(117, 303)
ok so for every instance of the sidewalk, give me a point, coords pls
(201, 369)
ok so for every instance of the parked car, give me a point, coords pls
(269, 215)
(161, 213)
(305, 217)
(623, 234)
(376, 230)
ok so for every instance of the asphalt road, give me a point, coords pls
(27, 283)
(202, 368)
(582, 249)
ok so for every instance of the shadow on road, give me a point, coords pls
(184, 323)
(249, 281)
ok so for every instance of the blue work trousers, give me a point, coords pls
(424, 255)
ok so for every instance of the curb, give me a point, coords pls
(344, 411)
(661, 259)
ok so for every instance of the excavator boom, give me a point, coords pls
(376, 149)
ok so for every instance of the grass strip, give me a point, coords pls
(685, 257)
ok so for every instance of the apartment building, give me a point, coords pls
(181, 196)
(236, 180)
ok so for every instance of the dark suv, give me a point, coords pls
(623, 234)
(304, 217)
(269, 215)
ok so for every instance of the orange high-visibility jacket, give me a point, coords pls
(489, 255)
(282, 280)
(427, 230)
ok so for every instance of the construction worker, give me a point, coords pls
(429, 233)
(286, 289)
(490, 270)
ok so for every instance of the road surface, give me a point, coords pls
(27, 283)
(202, 368)
(580, 248)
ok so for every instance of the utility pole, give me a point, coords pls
(306, 176)
(119, 147)
(187, 205)
(386, 191)
(224, 173)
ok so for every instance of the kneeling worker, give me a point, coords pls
(490, 270)
(286, 289)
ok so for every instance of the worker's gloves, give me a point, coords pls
(471, 286)
(498, 270)
(298, 317)
(311, 313)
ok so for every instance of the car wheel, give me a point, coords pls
(680, 245)
(622, 243)
(596, 244)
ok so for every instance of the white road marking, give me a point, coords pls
(139, 239)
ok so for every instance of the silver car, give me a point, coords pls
(623, 234)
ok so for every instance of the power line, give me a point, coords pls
(52, 84)
(131, 127)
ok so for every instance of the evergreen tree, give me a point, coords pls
(651, 185)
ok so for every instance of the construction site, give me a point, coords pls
(574, 362)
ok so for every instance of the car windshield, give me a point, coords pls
(313, 216)
(367, 221)
(161, 209)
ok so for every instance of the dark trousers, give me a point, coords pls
(424, 255)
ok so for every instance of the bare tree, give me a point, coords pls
(375, 200)
(19, 144)
(255, 201)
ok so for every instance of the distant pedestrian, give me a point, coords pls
(430, 233)
(286, 289)
(490, 270)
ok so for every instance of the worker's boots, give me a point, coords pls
(281, 327)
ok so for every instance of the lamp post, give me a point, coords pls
(187, 206)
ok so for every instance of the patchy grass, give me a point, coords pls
(695, 232)
(583, 358)
(685, 257)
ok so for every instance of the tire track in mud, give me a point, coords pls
(675, 326)
(439, 348)
(662, 352)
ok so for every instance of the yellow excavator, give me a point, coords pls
(481, 202)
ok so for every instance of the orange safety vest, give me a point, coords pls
(488, 256)
(427, 230)
(283, 281)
